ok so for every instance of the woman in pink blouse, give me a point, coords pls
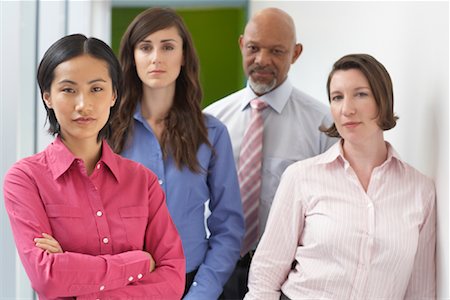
(88, 223)
(355, 222)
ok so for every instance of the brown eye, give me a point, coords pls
(68, 90)
(97, 89)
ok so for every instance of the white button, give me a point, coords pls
(160, 181)
(139, 276)
(105, 240)
(130, 278)
(98, 166)
(99, 214)
(102, 288)
(194, 283)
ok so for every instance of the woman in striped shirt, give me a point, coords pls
(355, 222)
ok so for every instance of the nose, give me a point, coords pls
(348, 107)
(262, 58)
(155, 57)
(83, 103)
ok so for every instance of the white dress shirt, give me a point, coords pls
(347, 243)
(291, 132)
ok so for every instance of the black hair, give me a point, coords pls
(67, 48)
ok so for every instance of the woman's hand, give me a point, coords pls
(152, 262)
(51, 245)
(48, 243)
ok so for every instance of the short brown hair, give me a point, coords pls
(380, 83)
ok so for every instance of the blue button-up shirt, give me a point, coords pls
(187, 192)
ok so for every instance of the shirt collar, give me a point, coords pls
(109, 158)
(60, 158)
(336, 152)
(276, 98)
(138, 113)
(393, 155)
(332, 154)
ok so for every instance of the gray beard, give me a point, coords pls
(262, 88)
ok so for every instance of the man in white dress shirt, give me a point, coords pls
(291, 120)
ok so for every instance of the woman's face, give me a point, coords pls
(159, 58)
(353, 106)
(81, 95)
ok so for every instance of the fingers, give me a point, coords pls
(47, 248)
(48, 243)
(152, 262)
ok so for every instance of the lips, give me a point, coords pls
(351, 124)
(259, 70)
(84, 120)
(262, 73)
(156, 72)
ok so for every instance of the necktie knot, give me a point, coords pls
(258, 104)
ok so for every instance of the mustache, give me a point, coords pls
(258, 68)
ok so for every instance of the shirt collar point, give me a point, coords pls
(331, 155)
(109, 159)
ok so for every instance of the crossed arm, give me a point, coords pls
(50, 245)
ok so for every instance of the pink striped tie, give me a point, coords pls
(249, 173)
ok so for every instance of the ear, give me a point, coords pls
(47, 99)
(298, 48)
(114, 98)
(241, 42)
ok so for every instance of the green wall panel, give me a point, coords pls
(215, 32)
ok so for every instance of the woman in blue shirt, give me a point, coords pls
(160, 124)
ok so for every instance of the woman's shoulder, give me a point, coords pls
(213, 122)
(34, 162)
(28, 169)
(306, 167)
(409, 172)
(134, 168)
(216, 129)
(418, 178)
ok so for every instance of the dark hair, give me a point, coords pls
(185, 128)
(67, 48)
(380, 83)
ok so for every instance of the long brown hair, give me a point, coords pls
(185, 128)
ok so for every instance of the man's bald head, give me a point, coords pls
(275, 19)
(268, 48)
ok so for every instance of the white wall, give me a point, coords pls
(411, 39)
(17, 40)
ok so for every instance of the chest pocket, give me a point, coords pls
(135, 221)
(68, 226)
(273, 168)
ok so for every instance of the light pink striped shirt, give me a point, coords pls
(346, 243)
